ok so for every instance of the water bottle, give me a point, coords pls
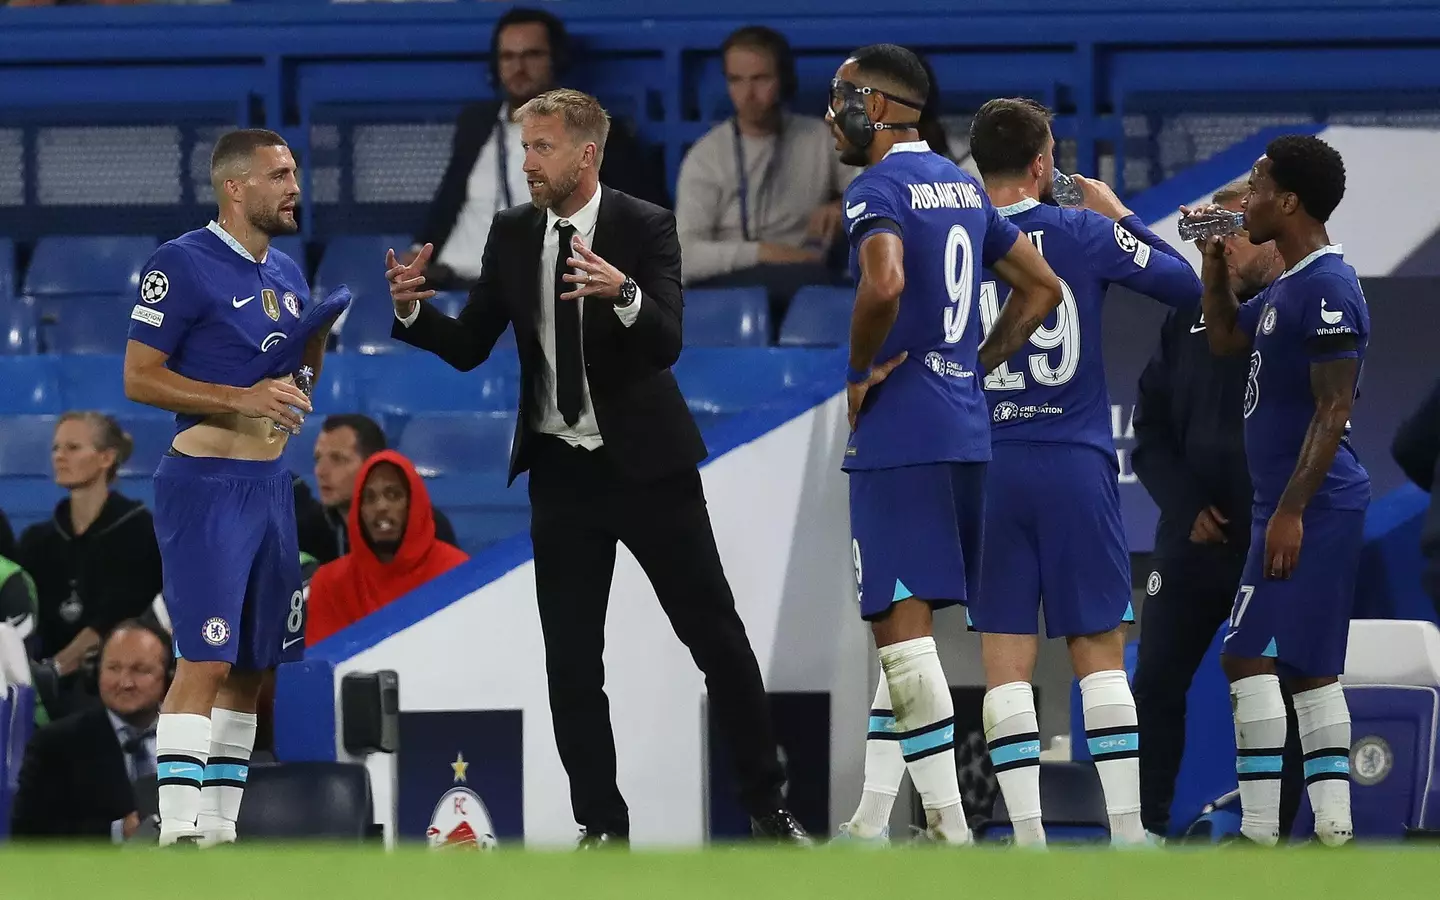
(1216, 223)
(305, 381)
(1065, 191)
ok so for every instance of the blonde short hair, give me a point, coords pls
(1232, 191)
(585, 119)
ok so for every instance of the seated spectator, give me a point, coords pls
(345, 442)
(96, 562)
(393, 549)
(529, 50)
(1417, 450)
(758, 201)
(78, 776)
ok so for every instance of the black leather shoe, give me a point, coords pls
(780, 826)
(602, 840)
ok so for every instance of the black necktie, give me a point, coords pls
(568, 358)
(142, 763)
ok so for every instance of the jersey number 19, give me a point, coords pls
(1064, 334)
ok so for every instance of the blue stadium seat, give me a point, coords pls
(480, 506)
(727, 317)
(88, 265)
(25, 445)
(31, 385)
(7, 270)
(726, 380)
(90, 323)
(340, 388)
(137, 487)
(17, 328)
(459, 442)
(422, 382)
(366, 329)
(151, 433)
(818, 317)
(357, 261)
(97, 381)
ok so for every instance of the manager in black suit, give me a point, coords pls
(76, 780)
(610, 445)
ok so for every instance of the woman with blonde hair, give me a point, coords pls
(96, 562)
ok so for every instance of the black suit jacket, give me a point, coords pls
(627, 166)
(73, 782)
(643, 418)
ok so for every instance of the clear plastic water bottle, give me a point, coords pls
(1216, 223)
(305, 381)
(1065, 191)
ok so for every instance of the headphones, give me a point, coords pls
(774, 43)
(554, 30)
(854, 120)
(90, 667)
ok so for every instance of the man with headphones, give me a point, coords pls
(529, 54)
(758, 201)
(78, 775)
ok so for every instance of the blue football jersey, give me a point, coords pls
(1053, 389)
(931, 408)
(1294, 320)
(222, 317)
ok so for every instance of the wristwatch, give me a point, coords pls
(628, 291)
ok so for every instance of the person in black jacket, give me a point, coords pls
(1190, 455)
(1417, 450)
(611, 448)
(346, 441)
(78, 775)
(529, 53)
(96, 562)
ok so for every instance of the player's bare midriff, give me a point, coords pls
(233, 436)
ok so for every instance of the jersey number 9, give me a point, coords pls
(959, 282)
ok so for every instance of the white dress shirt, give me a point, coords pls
(546, 418)
(465, 246)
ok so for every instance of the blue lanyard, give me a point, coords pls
(502, 156)
(744, 177)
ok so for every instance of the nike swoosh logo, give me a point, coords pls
(286, 645)
(237, 302)
(1198, 326)
(857, 209)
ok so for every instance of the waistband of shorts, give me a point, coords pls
(219, 466)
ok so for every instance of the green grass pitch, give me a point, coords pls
(322, 873)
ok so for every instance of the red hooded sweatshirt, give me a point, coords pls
(345, 591)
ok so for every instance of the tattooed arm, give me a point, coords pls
(1034, 292)
(1333, 384)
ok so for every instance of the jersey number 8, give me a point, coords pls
(1064, 334)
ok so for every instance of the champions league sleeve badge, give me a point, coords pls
(460, 819)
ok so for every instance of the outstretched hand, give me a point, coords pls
(406, 279)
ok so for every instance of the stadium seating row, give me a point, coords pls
(77, 291)
(455, 426)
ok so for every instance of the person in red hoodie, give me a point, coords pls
(393, 548)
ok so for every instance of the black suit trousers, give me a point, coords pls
(581, 507)
(1178, 622)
